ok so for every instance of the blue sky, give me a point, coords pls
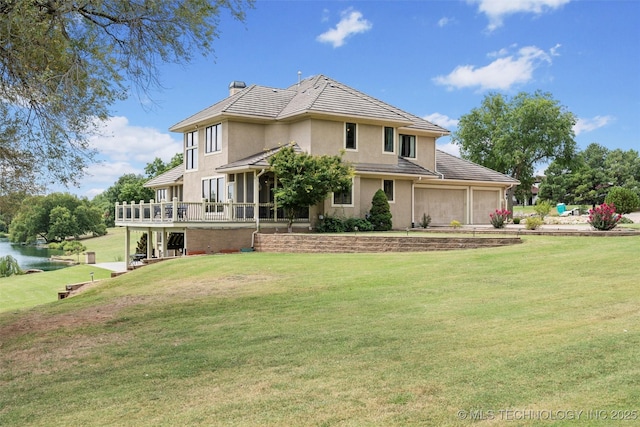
(435, 59)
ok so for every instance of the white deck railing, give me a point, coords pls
(201, 212)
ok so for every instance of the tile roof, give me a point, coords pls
(172, 176)
(403, 167)
(452, 167)
(318, 94)
(256, 160)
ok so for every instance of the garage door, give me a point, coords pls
(484, 203)
(444, 205)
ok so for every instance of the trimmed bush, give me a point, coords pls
(380, 214)
(362, 224)
(330, 224)
(624, 199)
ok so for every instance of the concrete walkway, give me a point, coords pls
(118, 267)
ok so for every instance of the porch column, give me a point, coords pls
(165, 236)
(149, 243)
(127, 244)
(184, 249)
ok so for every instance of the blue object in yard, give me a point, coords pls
(561, 208)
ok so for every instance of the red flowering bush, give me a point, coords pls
(604, 217)
(499, 217)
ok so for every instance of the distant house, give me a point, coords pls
(224, 190)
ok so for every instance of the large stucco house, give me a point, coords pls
(224, 190)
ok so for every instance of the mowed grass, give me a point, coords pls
(337, 339)
(19, 292)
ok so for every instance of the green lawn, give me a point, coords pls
(337, 339)
(18, 292)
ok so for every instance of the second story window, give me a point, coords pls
(213, 138)
(408, 146)
(191, 150)
(389, 145)
(350, 136)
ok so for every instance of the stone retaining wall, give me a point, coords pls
(326, 243)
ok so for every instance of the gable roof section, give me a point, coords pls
(315, 95)
(455, 168)
(170, 177)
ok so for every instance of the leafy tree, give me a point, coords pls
(624, 199)
(158, 167)
(514, 136)
(128, 188)
(55, 217)
(380, 213)
(594, 172)
(63, 64)
(305, 180)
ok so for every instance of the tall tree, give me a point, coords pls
(158, 167)
(128, 188)
(63, 63)
(595, 171)
(305, 180)
(515, 135)
(55, 217)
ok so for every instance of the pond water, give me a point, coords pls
(31, 256)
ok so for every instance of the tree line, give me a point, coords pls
(58, 216)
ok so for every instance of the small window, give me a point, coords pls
(161, 194)
(387, 187)
(213, 138)
(191, 150)
(343, 198)
(408, 146)
(350, 136)
(389, 146)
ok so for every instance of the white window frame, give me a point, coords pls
(355, 136)
(384, 140)
(213, 139)
(191, 151)
(346, 205)
(415, 146)
(220, 188)
(393, 190)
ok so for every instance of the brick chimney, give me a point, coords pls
(236, 86)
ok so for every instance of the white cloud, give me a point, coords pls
(449, 147)
(351, 23)
(442, 120)
(588, 125)
(497, 10)
(121, 141)
(443, 22)
(123, 148)
(501, 74)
